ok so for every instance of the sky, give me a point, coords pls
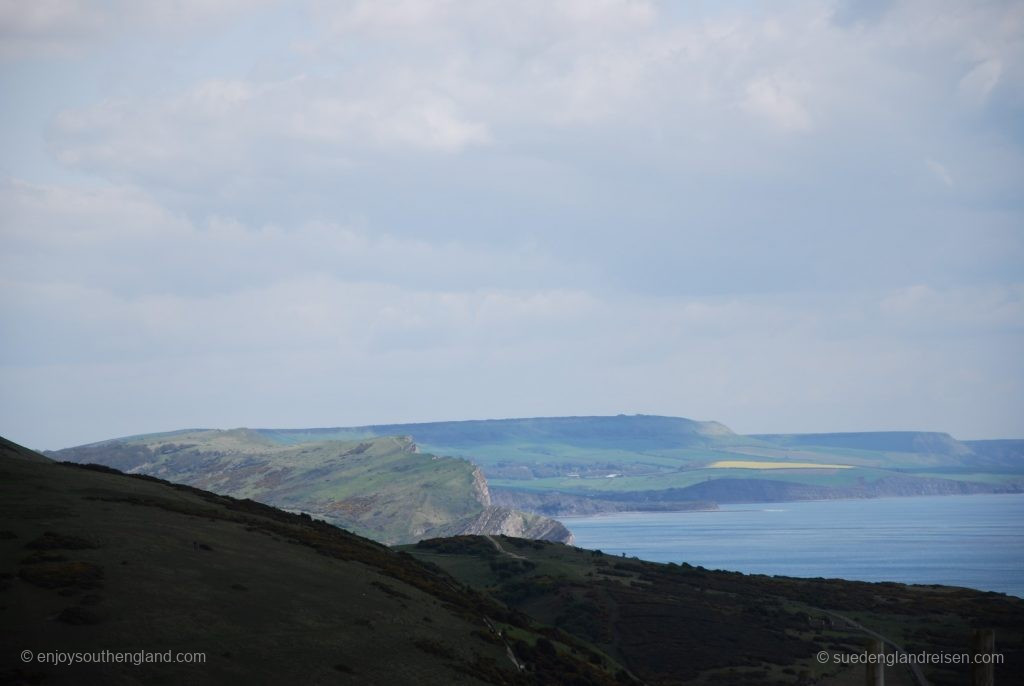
(787, 217)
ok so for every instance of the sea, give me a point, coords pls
(975, 541)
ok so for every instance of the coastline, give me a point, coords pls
(727, 507)
(966, 541)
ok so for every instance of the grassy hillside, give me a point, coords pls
(627, 432)
(905, 442)
(572, 465)
(382, 488)
(660, 460)
(672, 624)
(583, 440)
(92, 560)
(997, 455)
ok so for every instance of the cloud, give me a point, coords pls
(940, 172)
(320, 350)
(768, 98)
(47, 26)
(443, 78)
(107, 238)
(795, 218)
(979, 81)
(929, 310)
(219, 128)
(63, 28)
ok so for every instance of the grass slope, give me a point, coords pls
(594, 456)
(654, 459)
(655, 440)
(382, 487)
(93, 560)
(672, 624)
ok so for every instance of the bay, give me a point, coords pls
(975, 541)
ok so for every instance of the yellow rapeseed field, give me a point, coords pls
(758, 464)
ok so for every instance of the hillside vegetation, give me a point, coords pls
(675, 624)
(575, 465)
(580, 465)
(94, 560)
(382, 488)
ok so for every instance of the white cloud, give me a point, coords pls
(63, 28)
(70, 219)
(928, 310)
(451, 76)
(768, 98)
(941, 173)
(318, 350)
(124, 241)
(979, 81)
(512, 208)
(47, 26)
(448, 77)
(222, 128)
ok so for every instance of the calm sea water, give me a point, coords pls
(974, 541)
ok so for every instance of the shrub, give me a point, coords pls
(78, 616)
(63, 575)
(54, 541)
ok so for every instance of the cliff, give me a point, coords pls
(508, 522)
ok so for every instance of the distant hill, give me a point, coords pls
(621, 431)
(584, 439)
(95, 561)
(925, 442)
(555, 466)
(383, 488)
(1005, 454)
(579, 465)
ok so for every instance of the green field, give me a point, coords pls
(649, 461)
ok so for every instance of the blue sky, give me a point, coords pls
(787, 217)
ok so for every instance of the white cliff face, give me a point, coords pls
(501, 520)
(480, 490)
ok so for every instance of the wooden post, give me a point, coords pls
(983, 642)
(875, 671)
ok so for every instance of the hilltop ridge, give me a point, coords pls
(553, 466)
(384, 488)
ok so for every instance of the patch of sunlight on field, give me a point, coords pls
(758, 464)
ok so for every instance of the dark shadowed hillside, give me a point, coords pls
(674, 624)
(93, 560)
